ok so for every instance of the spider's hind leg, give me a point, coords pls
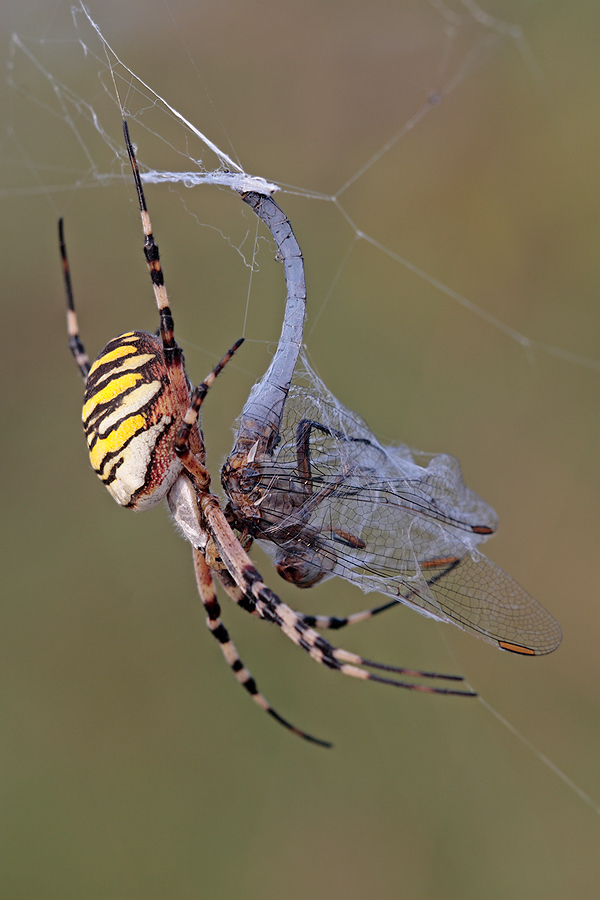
(208, 596)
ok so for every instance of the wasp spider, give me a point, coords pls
(140, 418)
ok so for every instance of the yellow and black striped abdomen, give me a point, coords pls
(130, 416)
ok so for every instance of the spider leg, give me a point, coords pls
(331, 622)
(182, 439)
(173, 354)
(336, 622)
(208, 596)
(153, 259)
(249, 581)
(200, 392)
(270, 607)
(75, 345)
(245, 601)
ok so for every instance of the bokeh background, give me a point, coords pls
(132, 765)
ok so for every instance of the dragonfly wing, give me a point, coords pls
(460, 586)
(387, 519)
(480, 597)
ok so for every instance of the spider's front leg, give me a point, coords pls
(75, 345)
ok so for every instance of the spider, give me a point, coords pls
(140, 417)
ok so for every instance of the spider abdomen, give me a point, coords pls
(130, 416)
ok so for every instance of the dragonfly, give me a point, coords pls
(306, 480)
(318, 492)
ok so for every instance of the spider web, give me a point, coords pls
(41, 73)
(71, 87)
(92, 125)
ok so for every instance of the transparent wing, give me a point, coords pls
(331, 500)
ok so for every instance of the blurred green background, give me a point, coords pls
(132, 764)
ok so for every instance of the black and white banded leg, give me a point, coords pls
(208, 595)
(270, 607)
